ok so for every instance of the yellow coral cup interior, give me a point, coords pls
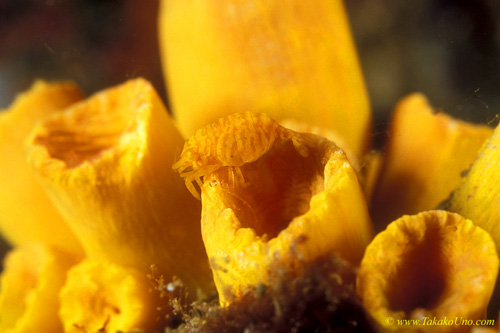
(273, 190)
(88, 138)
(103, 297)
(434, 264)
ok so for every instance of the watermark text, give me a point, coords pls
(433, 321)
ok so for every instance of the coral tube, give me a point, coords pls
(478, 196)
(106, 164)
(272, 198)
(102, 297)
(32, 278)
(432, 265)
(290, 59)
(425, 156)
(26, 213)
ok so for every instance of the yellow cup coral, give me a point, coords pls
(32, 278)
(105, 163)
(425, 156)
(478, 196)
(434, 264)
(102, 297)
(26, 213)
(276, 204)
(290, 59)
(271, 197)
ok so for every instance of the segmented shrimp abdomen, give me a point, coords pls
(232, 141)
(244, 137)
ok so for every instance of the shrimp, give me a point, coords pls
(230, 142)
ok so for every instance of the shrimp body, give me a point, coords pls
(232, 141)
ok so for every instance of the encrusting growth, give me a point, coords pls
(271, 198)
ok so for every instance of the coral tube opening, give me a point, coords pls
(421, 278)
(116, 148)
(267, 194)
(93, 130)
(435, 264)
(272, 198)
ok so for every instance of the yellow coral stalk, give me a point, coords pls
(478, 196)
(106, 164)
(272, 198)
(425, 156)
(435, 264)
(102, 297)
(32, 278)
(293, 59)
(26, 213)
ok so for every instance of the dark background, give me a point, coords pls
(446, 49)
